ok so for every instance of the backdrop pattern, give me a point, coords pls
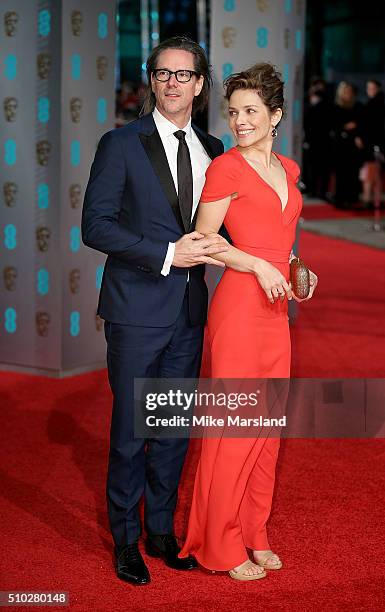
(57, 97)
(244, 32)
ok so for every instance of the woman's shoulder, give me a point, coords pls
(290, 165)
(229, 160)
(223, 177)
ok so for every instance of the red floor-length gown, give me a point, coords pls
(249, 338)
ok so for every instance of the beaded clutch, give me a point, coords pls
(299, 278)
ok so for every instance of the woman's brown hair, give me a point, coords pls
(263, 78)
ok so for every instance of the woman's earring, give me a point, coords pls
(274, 132)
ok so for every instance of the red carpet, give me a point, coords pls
(341, 332)
(327, 211)
(327, 522)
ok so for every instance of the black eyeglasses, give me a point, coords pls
(182, 76)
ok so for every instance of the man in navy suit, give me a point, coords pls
(139, 209)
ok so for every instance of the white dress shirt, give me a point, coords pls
(199, 164)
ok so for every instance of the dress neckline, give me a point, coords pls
(283, 208)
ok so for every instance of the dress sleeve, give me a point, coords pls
(293, 169)
(222, 179)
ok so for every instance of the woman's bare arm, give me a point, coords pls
(209, 220)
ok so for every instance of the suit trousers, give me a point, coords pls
(139, 467)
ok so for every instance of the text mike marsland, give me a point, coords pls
(209, 421)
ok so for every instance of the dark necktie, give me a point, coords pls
(185, 179)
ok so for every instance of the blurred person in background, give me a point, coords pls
(347, 122)
(374, 143)
(127, 103)
(317, 127)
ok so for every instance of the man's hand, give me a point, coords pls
(194, 249)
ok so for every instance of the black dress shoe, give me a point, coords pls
(130, 565)
(166, 548)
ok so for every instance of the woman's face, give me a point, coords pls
(249, 118)
(347, 93)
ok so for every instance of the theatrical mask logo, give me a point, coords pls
(10, 193)
(228, 36)
(98, 323)
(75, 195)
(76, 23)
(224, 108)
(43, 151)
(76, 105)
(43, 320)
(11, 20)
(262, 5)
(10, 107)
(101, 67)
(10, 276)
(74, 280)
(43, 235)
(43, 65)
(286, 38)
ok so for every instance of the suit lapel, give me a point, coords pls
(204, 140)
(152, 144)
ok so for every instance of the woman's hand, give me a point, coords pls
(313, 285)
(272, 281)
(194, 249)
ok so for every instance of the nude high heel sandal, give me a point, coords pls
(268, 560)
(239, 575)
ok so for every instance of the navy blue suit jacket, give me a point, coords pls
(131, 213)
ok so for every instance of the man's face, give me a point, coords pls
(173, 98)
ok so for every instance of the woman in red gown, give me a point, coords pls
(253, 192)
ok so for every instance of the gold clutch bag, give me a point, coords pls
(299, 278)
